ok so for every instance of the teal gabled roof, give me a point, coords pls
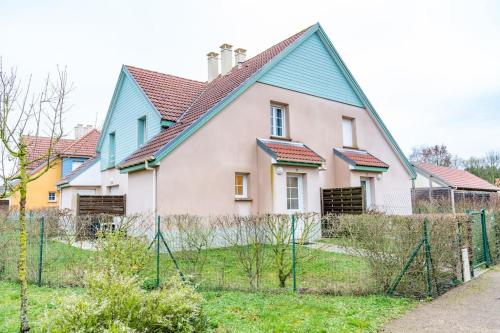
(225, 89)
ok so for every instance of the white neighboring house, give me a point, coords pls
(84, 180)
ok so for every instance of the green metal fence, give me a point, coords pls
(480, 242)
(59, 253)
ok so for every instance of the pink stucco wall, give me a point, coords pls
(198, 176)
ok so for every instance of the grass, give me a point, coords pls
(317, 270)
(40, 299)
(234, 311)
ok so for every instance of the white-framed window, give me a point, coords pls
(75, 165)
(294, 194)
(141, 131)
(348, 135)
(241, 185)
(52, 196)
(278, 121)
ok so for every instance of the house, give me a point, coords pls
(68, 155)
(452, 185)
(84, 180)
(261, 135)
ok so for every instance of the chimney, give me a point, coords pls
(240, 55)
(81, 130)
(213, 65)
(78, 131)
(226, 58)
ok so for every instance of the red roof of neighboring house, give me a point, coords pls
(360, 158)
(171, 95)
(459, 179)
(85, 146)
(284, 151)
(213, 93)
(38, 146)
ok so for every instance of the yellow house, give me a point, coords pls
(69, 155)
(42, 193)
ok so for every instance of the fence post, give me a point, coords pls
(428, 262)
(294, 256)
(40, 254)
(486, 248)
(158, 252)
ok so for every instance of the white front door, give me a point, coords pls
(294, 193)
(295, 199)
(367, 193)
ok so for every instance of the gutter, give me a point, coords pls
(135, 165)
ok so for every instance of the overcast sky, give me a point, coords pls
(430, 68)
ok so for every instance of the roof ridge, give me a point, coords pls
(76, 141)
(161, 73)
(45, 137)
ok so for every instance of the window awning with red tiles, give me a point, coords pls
(361, 160)
(285, 152)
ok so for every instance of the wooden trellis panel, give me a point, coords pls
(101, 204)
(343, 200)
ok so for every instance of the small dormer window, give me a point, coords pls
(278, 121)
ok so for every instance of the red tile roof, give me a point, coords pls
(85, 146)
(284, 151)
(171, 95)
(38, 146)
(360, 158)
(460, 179)
(213, 93)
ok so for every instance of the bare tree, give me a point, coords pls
(437, 154)
(280, 237)
(246, 235)
(23, 113)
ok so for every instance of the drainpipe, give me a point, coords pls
(147, 167)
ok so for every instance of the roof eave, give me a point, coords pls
(367, 104)
(127, 166)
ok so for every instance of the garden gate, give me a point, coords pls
(480, 246)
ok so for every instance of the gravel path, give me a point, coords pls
(473, 307)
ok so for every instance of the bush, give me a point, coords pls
(388, 241)
(120, 305)
(115, 300)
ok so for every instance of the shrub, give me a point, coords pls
(388, 241)
(120, 305)
(115, 302)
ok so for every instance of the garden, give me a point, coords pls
(227, 273)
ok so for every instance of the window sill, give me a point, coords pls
(283, 138)
(242, 199)
(351, 147)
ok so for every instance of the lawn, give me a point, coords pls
(232, 311)
(215, 269)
